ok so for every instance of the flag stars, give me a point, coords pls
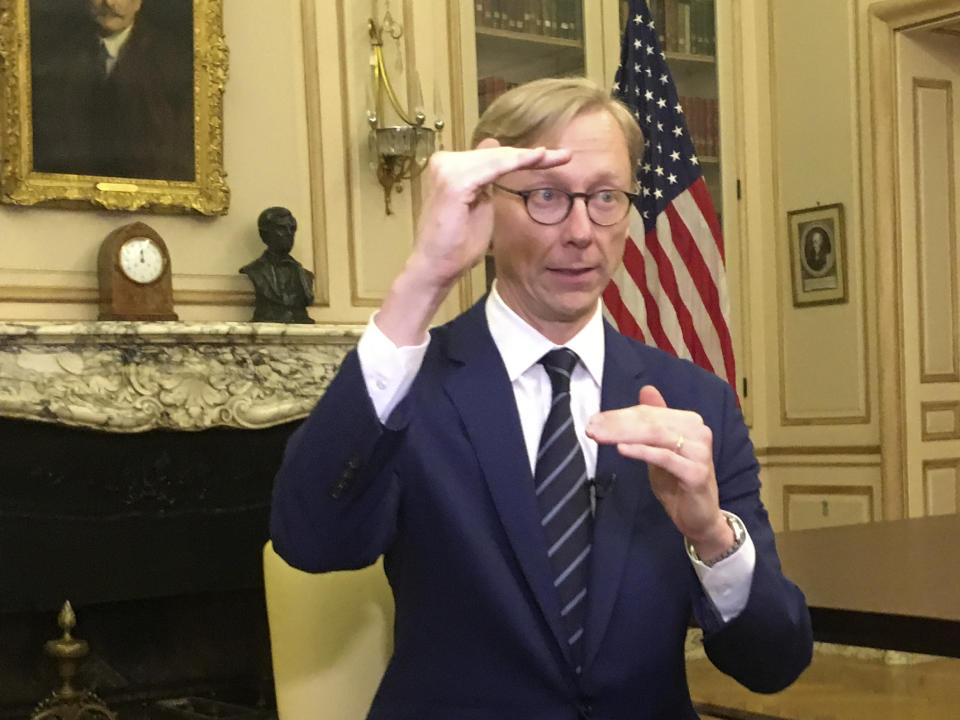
(663, 79)
(637, 67)
(677, 131)
(638, 19)
(672, 179)
(649, 49)
(694, 160)
(675, 156)
(679, 108)
(659, 127)
(616, 85)
(659, 171)
(661, 103)
(646, 167)
(637, 44)
(658, 194)
(651, 24)
(648, 95)
(649, 72)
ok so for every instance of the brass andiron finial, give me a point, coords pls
(69, 703)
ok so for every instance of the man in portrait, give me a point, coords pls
(112, 88)
(816, 251)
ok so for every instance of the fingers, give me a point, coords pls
(468, 172)
(649, 395)
(651, 423)
(677, 447)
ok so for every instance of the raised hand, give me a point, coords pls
(678, 449)
(454, 231)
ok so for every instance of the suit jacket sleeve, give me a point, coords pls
(770, 642)
(335, 498)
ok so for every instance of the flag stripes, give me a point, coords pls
(671, 290)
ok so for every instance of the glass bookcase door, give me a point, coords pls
(687, 33)
(522, 40)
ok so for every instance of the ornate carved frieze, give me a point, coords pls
(132, 377)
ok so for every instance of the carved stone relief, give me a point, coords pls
(132, 377)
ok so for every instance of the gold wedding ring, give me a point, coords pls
(679, 446)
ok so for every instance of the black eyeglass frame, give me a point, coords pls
(525, 194)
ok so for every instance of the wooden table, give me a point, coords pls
(892, 585)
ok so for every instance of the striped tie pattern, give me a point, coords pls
(560, 482)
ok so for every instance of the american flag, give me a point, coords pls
(671, 289)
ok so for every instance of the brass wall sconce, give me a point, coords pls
(401, 151)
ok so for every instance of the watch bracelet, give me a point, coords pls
(739, 536)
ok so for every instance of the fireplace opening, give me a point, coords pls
(156, 540)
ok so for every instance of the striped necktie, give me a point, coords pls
(560, 482)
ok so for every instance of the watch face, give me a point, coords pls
(141, 260)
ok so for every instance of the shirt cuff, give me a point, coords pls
(388, 370)
(727, 583)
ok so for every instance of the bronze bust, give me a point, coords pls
(283, 288)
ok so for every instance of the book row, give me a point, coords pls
(683, 26)
(552, 18)
(702, 115)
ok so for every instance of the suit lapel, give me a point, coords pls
(481, 391)
(616, 513)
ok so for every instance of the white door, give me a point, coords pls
(928, 67)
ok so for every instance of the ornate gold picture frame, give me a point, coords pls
(113, 105)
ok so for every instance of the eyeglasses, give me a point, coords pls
(550, 206)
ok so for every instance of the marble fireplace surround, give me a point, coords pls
(130, 377)
(166, 388)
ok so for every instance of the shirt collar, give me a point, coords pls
(113, 43)
(521, 346)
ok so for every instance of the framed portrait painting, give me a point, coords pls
(817, 255)
(115, 104)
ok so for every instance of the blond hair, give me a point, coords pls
(528, 111)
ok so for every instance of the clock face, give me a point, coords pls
(141, 260)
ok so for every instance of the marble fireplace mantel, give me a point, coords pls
(136, 376)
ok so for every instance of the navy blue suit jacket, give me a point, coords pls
(444, 491)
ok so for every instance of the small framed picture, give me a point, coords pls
(817, 255)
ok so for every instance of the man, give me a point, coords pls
(112, 90)
(439, 451)
(816, 251)
(283, 287)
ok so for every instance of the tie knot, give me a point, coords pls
(559, 365)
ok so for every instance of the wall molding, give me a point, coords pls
(91, 296)
(855, 247)
(940, 464)
(318, 215)
(772, 451)
(927, 377)
(939, 406)
(791, 491)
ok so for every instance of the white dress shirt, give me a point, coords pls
(113, 44)
(389, 371)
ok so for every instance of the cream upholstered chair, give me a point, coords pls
(330, 638)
